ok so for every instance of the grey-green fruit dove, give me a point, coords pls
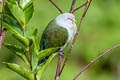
(59, 32)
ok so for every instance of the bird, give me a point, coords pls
(59, 32)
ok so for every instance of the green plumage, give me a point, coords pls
(53, 36)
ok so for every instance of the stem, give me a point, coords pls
(2, 31)
(56, 6)
(75, 38)
(24, 32)
(2, 37)
(29, 57)
(94, 60)
(60, 57)
(72, 6)
(2, 17)
(79, 7)
(27, 49)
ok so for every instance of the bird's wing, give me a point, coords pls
(53, 36)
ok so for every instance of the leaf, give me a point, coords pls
(11, 23)
(14, 48)
(25, 3)
(40, 72)
(21, 71)
(18, 13)
(39, 67)
(22, 12)
(35, 32)
(34, 59)
(12, 1)
(7, 10)
(28, 12)
(22, 39)
(47, 52)
(17, 35)
(19, 51)
(34, 51)
(35, 42)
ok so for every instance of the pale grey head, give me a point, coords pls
(66, 19)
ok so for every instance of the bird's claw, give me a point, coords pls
(61, 53)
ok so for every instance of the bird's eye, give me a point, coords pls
(69, 19)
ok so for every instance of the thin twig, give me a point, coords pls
(2, 31)
(56, 6)
(2, 16)
(79, 7)
(60, 57)
(72, 6)
(0, 1)
(2, 37)
(29, 57)
(94, 60)
(76, 35)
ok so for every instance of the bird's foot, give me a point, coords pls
(61, 53)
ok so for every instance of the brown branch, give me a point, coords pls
(72, 6)
(76, 35)
(2, 16)
(2, 31)
(29, 57)
(56, 6)
(60, 57)
(2, 36)
(79, 7)
(94, 60)
(0, 1)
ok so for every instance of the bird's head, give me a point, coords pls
(66, 18)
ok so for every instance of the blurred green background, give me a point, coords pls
(100, 31)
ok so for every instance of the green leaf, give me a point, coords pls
(34, 51)
(21, 71)
(39, 67)
(34, 59)
(22, 12)
(41, 71)
(19, 51)
(22, 39)
(25, 3)
(15, 48)
(35, 42)
(11, 24)
(35, 32)
(18, 13)
(47, 52)
(18, 36)
(12, 1)
(28, 12)
(7, 10)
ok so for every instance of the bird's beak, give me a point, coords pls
(74, 20)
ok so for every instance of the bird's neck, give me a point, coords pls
(65, 24)
(70, 27)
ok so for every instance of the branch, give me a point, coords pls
(60, 57)
(29, 57)
(79, 7)
(2, 36)
(2, 31)
(0, 1)
(94, 60)
(56, 6)
(76, 35)
(72, 6)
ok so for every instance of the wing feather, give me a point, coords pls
(53, 36)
